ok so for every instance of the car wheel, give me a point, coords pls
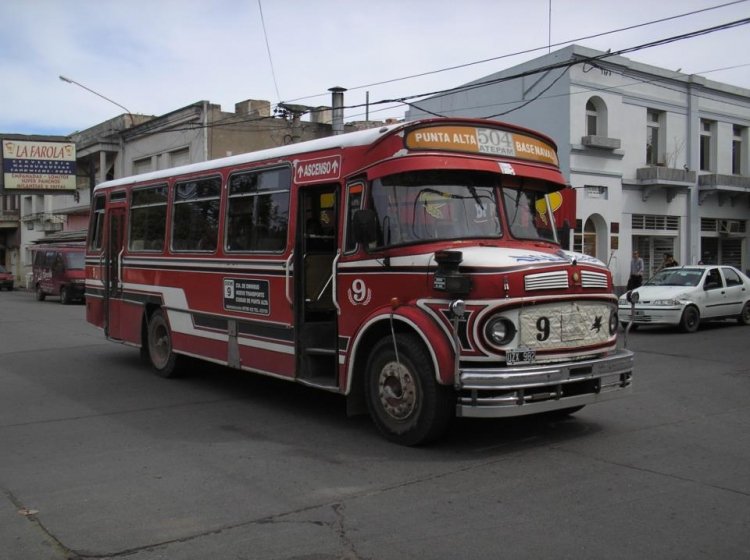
(744, 316)
(40, 295)
(691, 318)
(164, 361)
(405, 401)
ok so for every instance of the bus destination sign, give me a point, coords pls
(479, 140)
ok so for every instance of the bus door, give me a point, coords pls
(113, 272)
(315, 257)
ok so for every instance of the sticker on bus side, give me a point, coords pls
(247, 294)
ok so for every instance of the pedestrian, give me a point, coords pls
(669, 261)
(636, 271)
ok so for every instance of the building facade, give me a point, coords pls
(134, 144)
(659, 159)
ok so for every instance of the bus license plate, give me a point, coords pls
(520, 356)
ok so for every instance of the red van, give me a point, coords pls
(58, 270)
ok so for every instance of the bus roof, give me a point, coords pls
(347, 140)
(350, 139)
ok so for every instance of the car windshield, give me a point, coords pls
(676, 277)
(420, 206)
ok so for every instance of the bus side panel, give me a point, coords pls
(279, 362)
(129, 316)
(95, 311)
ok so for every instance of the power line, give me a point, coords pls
(535, 49)
(268, 48)
(565, 65)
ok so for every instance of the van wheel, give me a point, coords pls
(65, 298)
(405, 401)
(164, 361)
(40, 295)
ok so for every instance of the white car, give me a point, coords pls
(686, 295)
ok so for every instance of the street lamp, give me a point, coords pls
(68, 80)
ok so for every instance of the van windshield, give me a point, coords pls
(74, 261)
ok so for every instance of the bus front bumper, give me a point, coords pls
(530, 389)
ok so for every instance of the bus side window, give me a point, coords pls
(258, 210)
(148, 214)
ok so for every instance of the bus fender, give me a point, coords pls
(438, 345)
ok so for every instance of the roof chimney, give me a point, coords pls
(337, 103)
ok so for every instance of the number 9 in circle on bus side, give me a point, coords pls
(542, 325)
(359, 293)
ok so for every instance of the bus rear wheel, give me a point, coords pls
(163, 360)
(405, 401)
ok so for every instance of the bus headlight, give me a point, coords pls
(613, 322)
(500, 331)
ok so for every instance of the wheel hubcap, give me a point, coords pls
(397, 391)
(160, 346)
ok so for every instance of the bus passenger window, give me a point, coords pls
(195, 215)
(96, 227)
(148, 216)
(258, 210)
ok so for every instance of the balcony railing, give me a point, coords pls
(601, 142)
(670, 179)
(725, 186)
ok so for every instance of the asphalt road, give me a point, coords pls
(99, 458)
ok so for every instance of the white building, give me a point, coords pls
(659, 159)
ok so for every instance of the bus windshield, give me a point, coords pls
(423, 206)
(527, 214)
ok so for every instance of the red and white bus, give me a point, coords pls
(414, 269)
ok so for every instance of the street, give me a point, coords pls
(100, 458)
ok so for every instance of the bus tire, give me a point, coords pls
(404, 399)
(65, 298)
(40, 295)
(163, 360)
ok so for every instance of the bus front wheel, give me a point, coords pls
(162, 358)
(405, 401)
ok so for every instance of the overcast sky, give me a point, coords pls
(155, 56)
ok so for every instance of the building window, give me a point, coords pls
(653, 147)
(706, 145)
(258, 210)
(141, 166)
(737, 150)
(179, 157)
(195, 215)
(591, 118)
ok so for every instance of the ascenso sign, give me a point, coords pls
(490, 141)
(317, 169)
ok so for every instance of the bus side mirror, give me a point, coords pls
(365, 226)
